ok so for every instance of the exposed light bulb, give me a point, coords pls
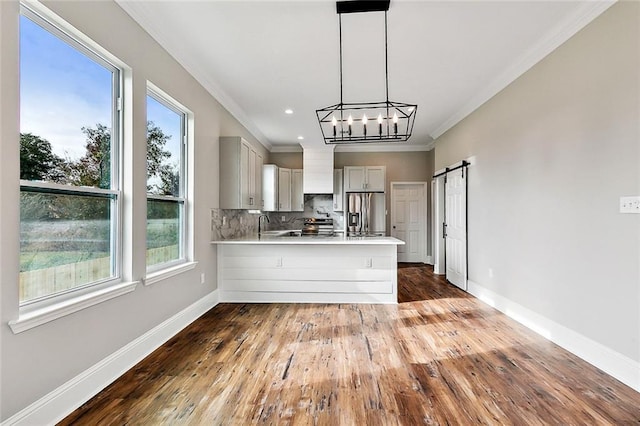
(379, 118)
(380, 125)
(395, 123)
(350, 120)
(364, 125)
(334, 122)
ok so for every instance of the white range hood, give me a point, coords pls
(317, 169)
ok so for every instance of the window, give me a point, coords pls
(166, 176)
(69, 168)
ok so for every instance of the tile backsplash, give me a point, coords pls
(228, 224)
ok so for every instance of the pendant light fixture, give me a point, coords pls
(366, 122)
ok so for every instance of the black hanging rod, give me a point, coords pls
(447, 170)
(357, 6)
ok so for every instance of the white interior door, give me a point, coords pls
(456, 228)
(408, 219)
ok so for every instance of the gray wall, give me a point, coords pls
(555, 150)
(39, 360)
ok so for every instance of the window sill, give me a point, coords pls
(52, 312)
(172, 271)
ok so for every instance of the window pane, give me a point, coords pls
(164, 231)
(65, 243)
(66, 111)
(164, 149)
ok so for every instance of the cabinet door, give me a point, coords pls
(252, 179)
(337, 190)
(245, 175)
(297, 196)
(284, 190)
(354, 178)
(270, 187)
(258, 186)
(375, 178)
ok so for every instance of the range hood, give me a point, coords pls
(317, 170)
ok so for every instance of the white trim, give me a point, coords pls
(59, 403)
(172, 271)
(36, 317)
(428, 260)
(553, 39)
(385, 147)
(286, 148)
(611, 362)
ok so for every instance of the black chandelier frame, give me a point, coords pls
(342, 123)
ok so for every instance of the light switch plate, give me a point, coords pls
(630, 204)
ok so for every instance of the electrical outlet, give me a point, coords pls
(369, 262)
(202, 278)
(283, 218)
(630, 204)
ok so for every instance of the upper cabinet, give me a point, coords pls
(270, 187)
(338, 194)
(284, 189)
(297, 196)
(240, 174)
(364, 178)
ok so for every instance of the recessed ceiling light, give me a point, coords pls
(300, 138)
(288, 111)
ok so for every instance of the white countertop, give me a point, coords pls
(311, 240)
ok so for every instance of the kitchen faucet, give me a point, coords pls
(260, 221)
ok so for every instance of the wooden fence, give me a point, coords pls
(46, 281)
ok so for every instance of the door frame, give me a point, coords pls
(424, 238)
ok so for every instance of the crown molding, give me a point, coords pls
(286, 148)
(140, 12)
(553, 39)
(385, 147)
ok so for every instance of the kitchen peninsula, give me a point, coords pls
(337, 269)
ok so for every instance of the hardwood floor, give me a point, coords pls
(439, 357)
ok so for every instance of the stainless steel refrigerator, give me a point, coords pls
(366, 213)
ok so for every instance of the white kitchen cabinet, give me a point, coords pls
(364, 178)
(240, 174)
(270, 187)
(259, 193)
(284, 190)
(338, 193)
(297, 196)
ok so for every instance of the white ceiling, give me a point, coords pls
(259, 58)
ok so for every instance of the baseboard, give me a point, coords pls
(611, 362)
(428, 260)
(60, 402)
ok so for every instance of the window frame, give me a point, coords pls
(153, 271)
(111, 286)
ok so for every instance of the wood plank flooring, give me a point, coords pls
(440, 357)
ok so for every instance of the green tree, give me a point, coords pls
(37, 160)
(94, 167)
(157, 167)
